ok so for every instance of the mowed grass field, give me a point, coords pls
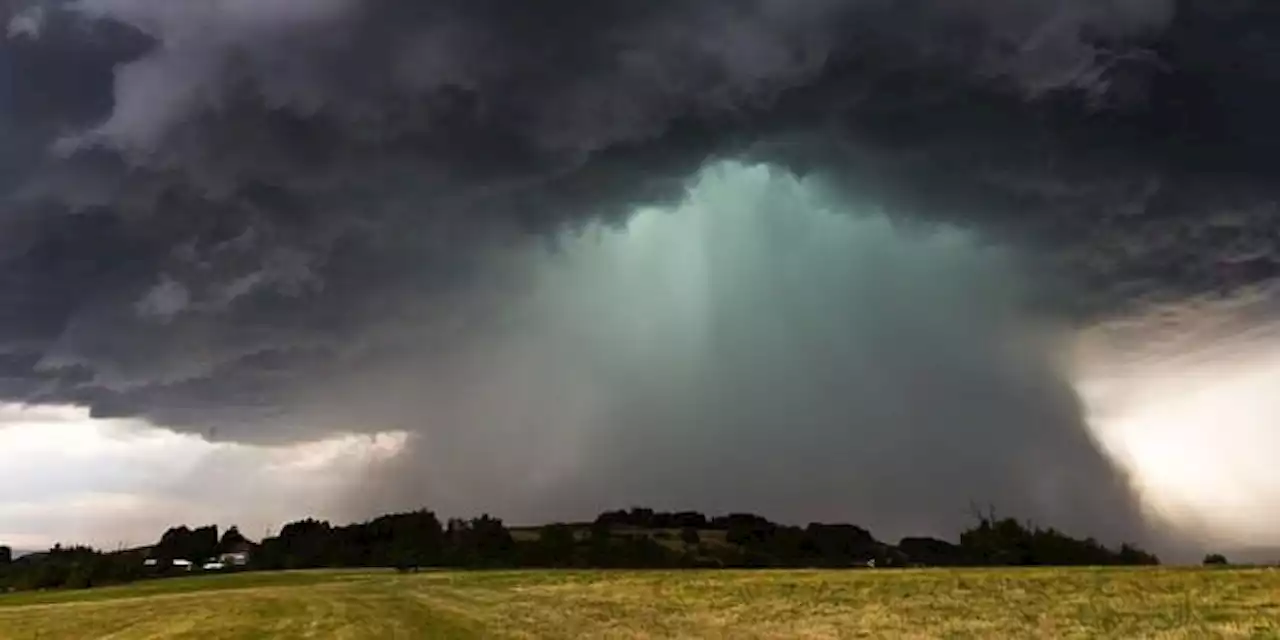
(989, 603)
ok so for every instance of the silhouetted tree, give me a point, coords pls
(556, 544)
(410, 540)
(741, 520)
(610, 519)
(187, 544)
(1011, 543)
(690, 536)
(1215, 559)
(1132, 555)
(842, 544)
(931, 552)
(688, 520)
(306, 544)
(68, 567)
(644, 518)
(747, 529)
(231, 540)
(601, 530)
(641, 517)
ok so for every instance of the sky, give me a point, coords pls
(115, 483)
(862, 260)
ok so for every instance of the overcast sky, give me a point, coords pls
(856, 260)
(67, 478)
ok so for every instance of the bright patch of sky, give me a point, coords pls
(1194, 420)
(67, 478)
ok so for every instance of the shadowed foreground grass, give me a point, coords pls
(1050, 603)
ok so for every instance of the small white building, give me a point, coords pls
(213, 566)
(237, 556)
(183, 564)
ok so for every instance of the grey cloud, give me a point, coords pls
(165, 300)
(26, 23)
(759, 347)
(260, 217)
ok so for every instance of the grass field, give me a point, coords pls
(1050, 603)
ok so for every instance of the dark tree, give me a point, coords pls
(232, 540)
(645, 518)
(187, 544)
(306, 544)
(641, 517)
(931, 552)
(411, 540)
(601, 530)
(1008, 542)
(746, 529)
(1132, 555)
(692, 519)
(556, 544)
(6, 555)
(689, 536)
(838, 545)
(173, 544)
(610, 519)
(1215, 559)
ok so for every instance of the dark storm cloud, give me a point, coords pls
(217, 212)
(761, 355)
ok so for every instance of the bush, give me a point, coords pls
(1215, 559)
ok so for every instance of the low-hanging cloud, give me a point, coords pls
(271, 223)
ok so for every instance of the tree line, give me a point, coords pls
(635, 538)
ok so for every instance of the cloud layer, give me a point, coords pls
(226, 216)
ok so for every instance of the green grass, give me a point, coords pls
(1044, 603)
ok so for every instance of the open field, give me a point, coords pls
(990, 603)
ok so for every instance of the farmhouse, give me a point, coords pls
(237, 555)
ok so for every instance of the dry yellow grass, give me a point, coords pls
(1032, 603)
